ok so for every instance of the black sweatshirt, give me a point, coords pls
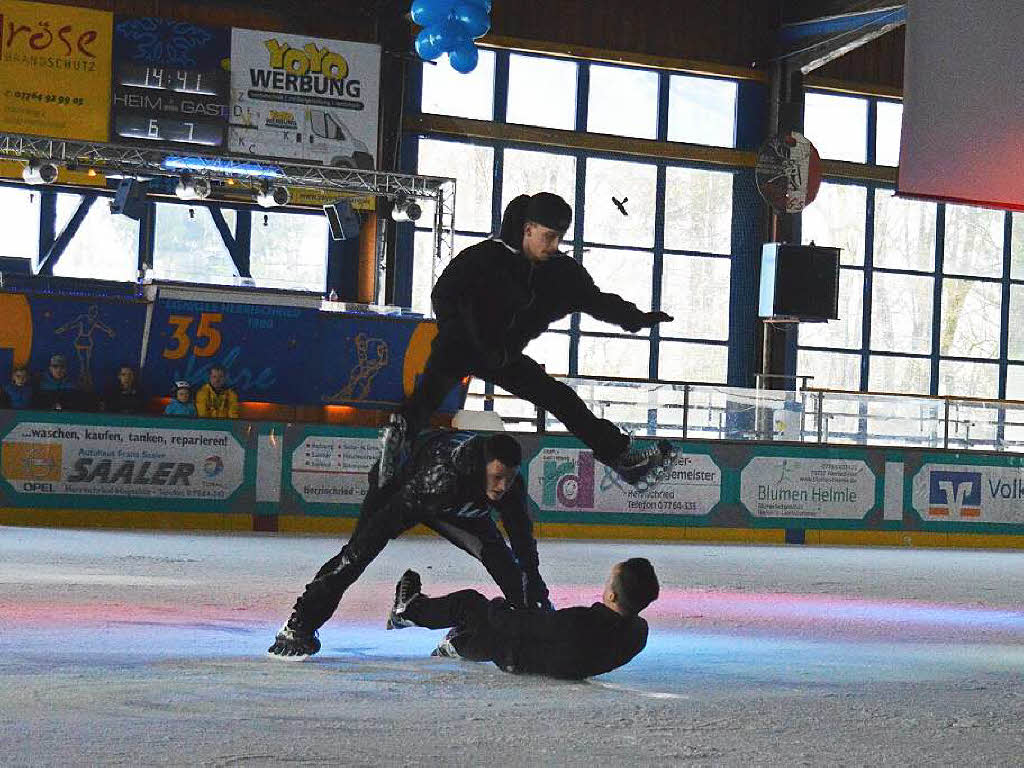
(494, 299)
(572, 643)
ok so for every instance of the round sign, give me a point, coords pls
(788, 172)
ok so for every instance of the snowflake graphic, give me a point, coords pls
(162, 41)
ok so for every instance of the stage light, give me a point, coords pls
(405, 209)
(192, 188)
(39, 172)
(272, 197)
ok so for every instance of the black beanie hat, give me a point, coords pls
(549, 210)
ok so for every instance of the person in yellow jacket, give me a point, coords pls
(215, 400)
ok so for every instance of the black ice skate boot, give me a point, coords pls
(392, 440)
(644, 467)
(295, 641)
(407, 590)
(446, 648)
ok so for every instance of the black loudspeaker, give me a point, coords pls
(799, 282)
(343, 221)
(130, 199)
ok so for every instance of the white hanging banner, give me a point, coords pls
(963, 102)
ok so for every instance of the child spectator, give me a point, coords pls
(56, 391)
(216, 400)
(124, 396)
(19, 390)
(181, 404)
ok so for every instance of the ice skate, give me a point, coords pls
(392, 440)
(445, 648)
(407, 590)
(290, 644)
(645, 467)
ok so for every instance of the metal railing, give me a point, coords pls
(810, 415)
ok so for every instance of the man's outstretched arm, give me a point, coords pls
(519, 527)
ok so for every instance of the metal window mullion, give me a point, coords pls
(940, 239)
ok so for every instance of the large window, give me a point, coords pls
(289, 251)
(923, 286)
(20, 209)
(658, 233)
(189, 247)
(106, 245)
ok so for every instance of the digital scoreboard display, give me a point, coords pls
(171, 83)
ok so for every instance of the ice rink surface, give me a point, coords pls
(148, 649)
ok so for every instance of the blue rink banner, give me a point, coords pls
(280, 354)
(95, 335)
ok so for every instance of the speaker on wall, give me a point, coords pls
(799, 282)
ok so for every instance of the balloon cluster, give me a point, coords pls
(451, 26)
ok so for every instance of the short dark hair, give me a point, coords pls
(217, 367)
(504, 448)
(636, 584)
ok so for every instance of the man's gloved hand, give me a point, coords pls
(649, 320)
(543, 604)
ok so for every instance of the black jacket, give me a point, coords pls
(443, 476)
(492, 300)
(572, 643)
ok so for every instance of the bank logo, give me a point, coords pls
(568, 483)
(954, 494)
(32, 461)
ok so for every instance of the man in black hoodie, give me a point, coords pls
(572, 643)
(450, 483)
(490, 301)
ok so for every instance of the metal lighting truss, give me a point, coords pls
(114, 159)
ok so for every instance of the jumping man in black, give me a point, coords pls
(450, 483)
(571, 643)
(490, 301)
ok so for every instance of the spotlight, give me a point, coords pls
(272, 197)
(39, 172)
(344, 222)
(192, 188)
(405, 209)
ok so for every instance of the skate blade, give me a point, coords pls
(293, 659)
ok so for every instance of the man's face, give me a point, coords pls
(609, 586)
(58, 370)
(540, 243)
(126, 376)
(217, 378)
(498, 478)
(20, 378)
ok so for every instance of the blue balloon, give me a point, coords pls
(463, 58)
(485, 4)
(472, 17)
(427, 13)
(431, 42)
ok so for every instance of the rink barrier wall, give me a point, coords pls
(91, 470)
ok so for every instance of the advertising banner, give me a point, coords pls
(289, 355)
(171, 83)
(96, 336)
(823, 488)
(110, 460)
(305, 99)
(563, 479)
(54, 70)
(969, 493)
(328, 469)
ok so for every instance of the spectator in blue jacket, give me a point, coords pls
(19, 390)
(56, 391)
(181, 403)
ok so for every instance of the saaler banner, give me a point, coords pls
(55, 70)
(117, 462)
(304, 98)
